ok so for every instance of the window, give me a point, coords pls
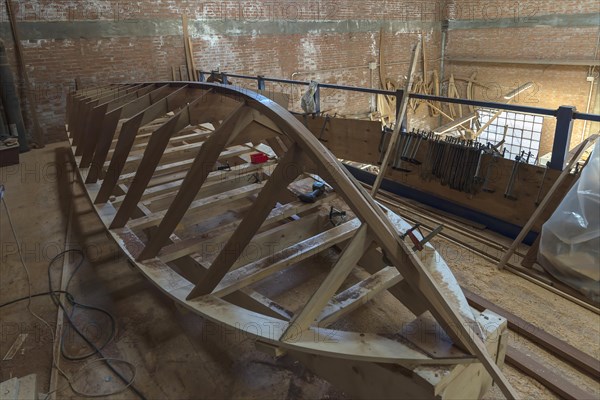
(524, 132)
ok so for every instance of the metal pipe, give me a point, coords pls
(11, 102)
(443, 59)
(477, 103)
(589, 103)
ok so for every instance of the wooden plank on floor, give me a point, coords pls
(545, 375)
(554, 345)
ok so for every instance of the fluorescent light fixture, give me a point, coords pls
(518, 90)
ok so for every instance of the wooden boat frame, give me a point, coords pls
(154, 159)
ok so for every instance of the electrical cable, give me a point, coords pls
(29, 295)
(70, 298)
(75, 305)
(34, 295)
(128, 382)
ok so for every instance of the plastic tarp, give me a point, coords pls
(570, 243)
(307, 102)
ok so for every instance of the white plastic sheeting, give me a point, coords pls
(570, 244)
(307, 102)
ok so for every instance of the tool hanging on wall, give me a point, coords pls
(383, 142)
(490, 169)
(324, 127)
(411, 152)
(539, 195)
(510, 188)
(398, 151)
(455, 162)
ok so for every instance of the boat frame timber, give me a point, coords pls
(123, 138)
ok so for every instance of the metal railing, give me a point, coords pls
(565, 115)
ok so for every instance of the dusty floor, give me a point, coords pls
(179, 355)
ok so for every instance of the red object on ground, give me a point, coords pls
(258, 158)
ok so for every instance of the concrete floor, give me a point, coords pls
(179, 355)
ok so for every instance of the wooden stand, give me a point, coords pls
(9, 155)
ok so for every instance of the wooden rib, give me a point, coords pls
(286, 171)
(157, 185)
(109, 127)
(152, 156)
(97, 116)
(135, 107)
(118, 94)
(193, 181)
(81, 120)
(82, 93)
(257, 302)
(260, 269)
(352, 298)
(94, 115)
(188, 134)
(271, 239)
(172, 153)
(109, 91)
(165, 186)
(123, 100)
(96, 119)
(127, 135)
(352, 253)
(403, 258)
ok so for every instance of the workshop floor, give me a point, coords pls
(179, 355)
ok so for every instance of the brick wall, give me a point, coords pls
(109, 41)
(531, 30)
(329, 41)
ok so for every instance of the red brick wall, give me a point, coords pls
(53, 64)
(336, 55)
(554, 85)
